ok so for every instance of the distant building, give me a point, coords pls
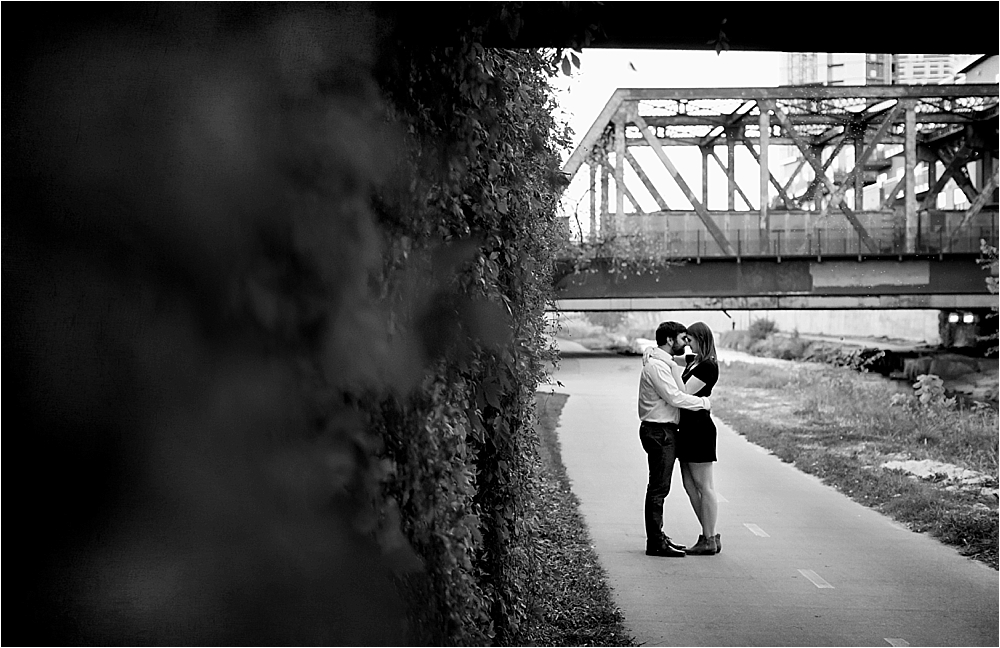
(823, 68)
(977, 69)
(918, 69)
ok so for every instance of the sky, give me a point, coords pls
(582, 95)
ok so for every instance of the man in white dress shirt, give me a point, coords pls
(659, 400)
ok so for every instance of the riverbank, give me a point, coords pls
(932, 468)
(965, 374)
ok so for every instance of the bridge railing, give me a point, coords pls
(802, 233)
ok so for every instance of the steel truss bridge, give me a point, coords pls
(816, 238)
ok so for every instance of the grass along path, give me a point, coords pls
(843, 426)
(573, 602)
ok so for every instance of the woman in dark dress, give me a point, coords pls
(696, 439)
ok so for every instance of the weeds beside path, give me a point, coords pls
(843, 426)
(574, 605)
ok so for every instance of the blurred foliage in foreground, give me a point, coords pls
(274, 289)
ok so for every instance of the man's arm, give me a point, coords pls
(693, 384)
(667, 389)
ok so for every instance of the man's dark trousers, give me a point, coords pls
(659, 442)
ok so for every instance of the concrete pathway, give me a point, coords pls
(802, 565)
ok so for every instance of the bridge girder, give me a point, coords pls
(838, 283)
(954, 125)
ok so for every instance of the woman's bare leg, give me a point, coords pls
(691, 488)
(704, 482)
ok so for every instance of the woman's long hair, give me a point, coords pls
(706, 341)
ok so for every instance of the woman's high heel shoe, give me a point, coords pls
(718, 543)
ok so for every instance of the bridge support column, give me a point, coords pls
(817, 185)
(619, 169)
(704, 176)
(910, 212)
(987, 167)
(765, 179)
(604, 200)
(593, 201)
(731, 133)
(859, 178)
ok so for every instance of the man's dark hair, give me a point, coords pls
(668, 330)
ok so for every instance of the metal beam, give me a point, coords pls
(777, 302)
(764, 124)
(976, 207)
(729, 120)
(815, 92)
(604, 200)
(817, 181)
(857, 171)
(964, 183)
(791, 179)
(725, 213)
(852, 219)
(730, 169)
(833, 120)
(735, 185)
(619, 169)
(960, 174)
(706, 219)
(909, 176)
(704, 175)
(579, 156)
(695, 141)
(593, 201)
(624, 191)
(828, 136)
(891, 196)
(858, 179)
(781, 190)
(646, 181)
(952, 168)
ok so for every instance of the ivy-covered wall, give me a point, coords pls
(274, 279)
(482, 164)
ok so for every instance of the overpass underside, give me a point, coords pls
(863, 197)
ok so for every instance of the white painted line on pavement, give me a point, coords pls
(720, 498)
(756, 530)
(815, 578)
(897, 642)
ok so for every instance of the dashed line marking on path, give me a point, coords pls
(757, 531)
(720, 498)
(815, 579)
(897, 642)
